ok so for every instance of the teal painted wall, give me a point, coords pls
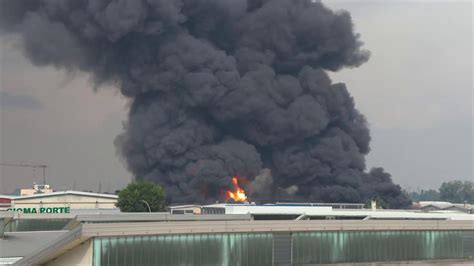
(367, 246)
(258, 248)
(192, 249)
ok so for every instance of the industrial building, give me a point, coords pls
(241, 234)
(55, 202)
(304, 211)
(443, 205)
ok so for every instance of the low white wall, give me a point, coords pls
(80, 255)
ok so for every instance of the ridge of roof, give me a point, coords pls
(66, 192)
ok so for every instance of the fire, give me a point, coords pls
(238, 195)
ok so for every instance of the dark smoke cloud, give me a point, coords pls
(219, 88)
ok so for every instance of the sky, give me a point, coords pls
(416, 92)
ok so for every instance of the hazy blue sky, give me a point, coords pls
(416, 92)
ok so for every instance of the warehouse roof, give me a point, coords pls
(84, 231)
(20, 244)
(327, 211)
(152, 217)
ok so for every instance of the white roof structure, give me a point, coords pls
(66, 192)
(184, 207)
(323, 211)
(442, 204)
(61, 193)
(437, 203)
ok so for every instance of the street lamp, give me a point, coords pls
(148, 205)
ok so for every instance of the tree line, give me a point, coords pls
(453, 191)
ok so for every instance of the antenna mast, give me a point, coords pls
(33, 166)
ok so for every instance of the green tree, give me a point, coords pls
(425, 195)
(137, 194)
(457, 191)
(468, 191)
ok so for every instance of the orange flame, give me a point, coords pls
(238, 195)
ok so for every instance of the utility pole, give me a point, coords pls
(33, 166)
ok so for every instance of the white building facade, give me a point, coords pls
(61, 202)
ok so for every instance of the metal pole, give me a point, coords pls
(148, 205)
(44, 176)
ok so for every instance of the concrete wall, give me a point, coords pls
(189, 227)
(79, 255)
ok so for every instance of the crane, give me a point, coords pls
(34, 166)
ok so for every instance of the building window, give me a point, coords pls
(367, 246)
(296, 248)
(189, 249)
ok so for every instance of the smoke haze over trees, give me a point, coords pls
(424, 195)
(455, 191)
(219, 88)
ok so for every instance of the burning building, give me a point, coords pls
(238, 194)
(219, 88)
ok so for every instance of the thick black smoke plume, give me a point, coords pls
(219, 88)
